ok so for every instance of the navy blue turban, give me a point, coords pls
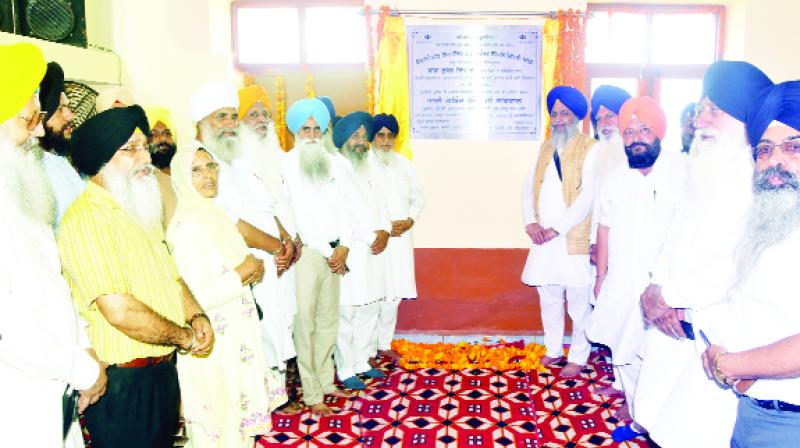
(96, 141)
(733, 86)
(349, 124)
(780, 102)
(387, 121)
(610, 97)
(570, 97)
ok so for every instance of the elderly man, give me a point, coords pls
(696, 267)
(316, 193)
(557, 199)
(44, 348)
(404, 201)
(125, 283)
(58, 127)
(757, 329)
(365, 285)
(634, 209)
(161, 142)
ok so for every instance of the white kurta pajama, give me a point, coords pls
(551, 268)
(403, 199)
(366, 283)
(42, 340)
(637, 210)
(696, 270)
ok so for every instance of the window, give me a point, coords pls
(657, 50)
(281, 33)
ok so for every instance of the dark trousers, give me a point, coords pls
(139, 409)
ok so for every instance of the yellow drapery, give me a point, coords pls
(549, 55)
(392, 67)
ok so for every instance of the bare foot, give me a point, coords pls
(340, 393)
(609, 391)
(374, 363)
(548, 360)
(391, 355)
(321, 410)
(623, 414)
(571, 370)
(291, 408)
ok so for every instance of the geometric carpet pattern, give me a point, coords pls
(478, 408)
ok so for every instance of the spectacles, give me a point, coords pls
(34, 120)
(133, 147)
(156, 134)
(356, 137)
(254, 115)
(712, 109)
(641, 132)
(199, 170)
(789, 148)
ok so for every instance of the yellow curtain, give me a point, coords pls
(549, 55)
(392, 67)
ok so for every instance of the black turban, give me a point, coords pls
(96, 141)
(387, 121)
(50, 88)
(349, 124)
(780, 102)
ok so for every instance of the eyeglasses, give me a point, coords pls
(200, 170)
(764, 150)
(356, 137)
(712, 109)
(644, 131)
(133, 147)
(156, 134)
(254, 115)
(34, 120)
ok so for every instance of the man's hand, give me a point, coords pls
(338, 261)
(381, 240)
(532, 230)
(283, 259)
(653, 304)
(90, 396)
(545, 236)
(251, 270)
(203, 336)
(708, 359)
(401, 226)
(670, 323)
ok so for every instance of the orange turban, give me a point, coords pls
(251, 95)
(646, 109)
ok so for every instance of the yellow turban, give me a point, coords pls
(249, 96)
(23, 69)
(158, 113)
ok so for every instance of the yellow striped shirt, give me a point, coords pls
(104, 252)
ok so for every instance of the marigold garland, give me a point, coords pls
(461, 356)
(280, 112)
(310, 93)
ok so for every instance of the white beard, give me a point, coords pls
(724, 163)
(358, 159)
(559, 139)
(223, 146)
(260, 150)
(140, 197)
(610, 155)
(314, 161)
(385, 157)
(327, 141)
(24, 181)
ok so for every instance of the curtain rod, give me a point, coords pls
(398, 12)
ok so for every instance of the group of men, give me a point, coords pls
(93, 307)
(680, 264)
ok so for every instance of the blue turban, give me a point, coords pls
(302, 110)
(570, 97)
(387, 121)
(780, 102)
(733, 86)
(610, 97)
(328, 104)
(349, 124)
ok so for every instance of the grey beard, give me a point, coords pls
(358, 159)
(140, 197)
(314, 161)
(327, 141)
(23, 178)
(773, 216)
(560, 138)
(385, 157)
(223, 146)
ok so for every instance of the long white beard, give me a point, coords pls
(385, 157)
(724, 163)
(314, 161)
(225, 147)
(560, 138)
(611, 153)
(24, 181)
(140, 197)
(327, 141)
(260, 151)
(358, 159)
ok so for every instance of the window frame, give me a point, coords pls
(301, 6)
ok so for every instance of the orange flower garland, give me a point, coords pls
(280, 112)
(310, 93)
(502, 356)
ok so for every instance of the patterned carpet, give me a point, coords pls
(468, 408)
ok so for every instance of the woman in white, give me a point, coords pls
(228, 396)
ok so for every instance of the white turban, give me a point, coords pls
(115, 96)
(211, 97)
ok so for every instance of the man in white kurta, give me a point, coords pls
(366, 284)
(634, 209)
(696, 268)
(557, 198)
(43, 345)
(404, 200)
(249, 204)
